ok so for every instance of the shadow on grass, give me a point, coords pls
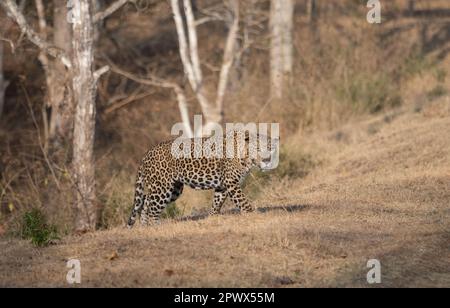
(286, 208)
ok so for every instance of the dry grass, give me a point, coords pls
(358, 180)
(380, 194)
(345, 68)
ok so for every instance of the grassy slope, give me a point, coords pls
(384, 195)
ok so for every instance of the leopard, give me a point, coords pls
(161, 176)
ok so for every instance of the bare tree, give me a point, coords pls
(188, 46)
(281, 58)
(60, 99)
(84, 84)
(14, 12)
(58, 86)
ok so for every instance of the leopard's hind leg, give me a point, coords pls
(155, 203)
(139, 198)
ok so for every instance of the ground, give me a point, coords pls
(382, 192)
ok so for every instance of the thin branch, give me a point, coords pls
(151, 81)
(134, 97)
(8, 183)
(157, 82)
(211, 14)
(10, 42)
(205, 20)
(41, 17)
(110, 10)
(98, 73)
(14, 12)
(44, 153)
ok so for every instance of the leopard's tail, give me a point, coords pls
(138, 198)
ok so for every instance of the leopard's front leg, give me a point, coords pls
(219, 198)
(240, 201)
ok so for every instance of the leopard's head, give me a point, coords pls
(263, 151)
(258, 150)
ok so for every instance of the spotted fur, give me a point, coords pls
(161, 178)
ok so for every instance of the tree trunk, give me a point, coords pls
(3, 82)
(97, 8)
(228, 55)
(190, 59)
(311, 10)
(281, 25)
(59, 94)
(84, 94)
(288, 27)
